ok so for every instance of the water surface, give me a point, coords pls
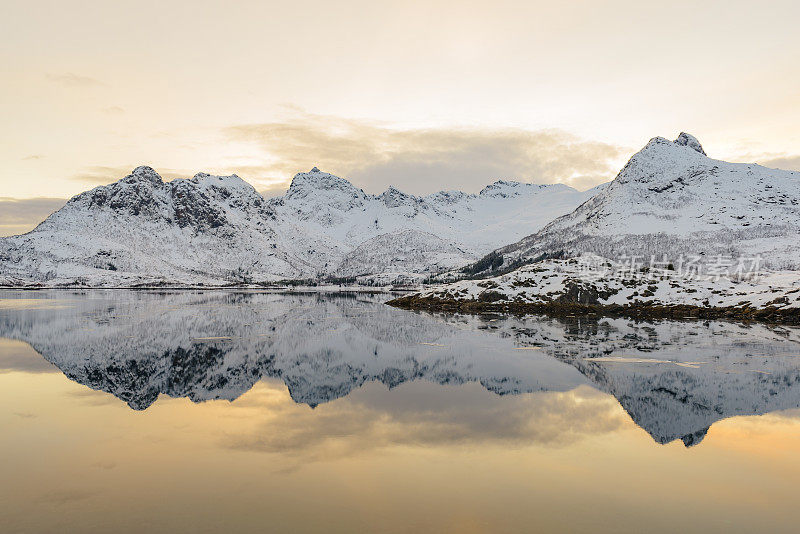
(253, 412)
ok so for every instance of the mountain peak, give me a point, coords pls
(143, 169)
(393, 190)
(393, 197)
(317, 178)
(144, 172)
(315, 183)
(501, 188)
(662, 161)
(230, 183)
(685, 139)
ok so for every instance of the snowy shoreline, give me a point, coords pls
(288, 289)
(567, 287)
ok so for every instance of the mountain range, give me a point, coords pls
(672, 200)
(217, 230)
(669, 201)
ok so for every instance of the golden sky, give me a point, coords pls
(421, 95)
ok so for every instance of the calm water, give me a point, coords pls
(254, 412)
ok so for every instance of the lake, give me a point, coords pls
(190, 411)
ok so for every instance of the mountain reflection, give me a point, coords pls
(674, 379)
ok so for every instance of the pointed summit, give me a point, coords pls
(315, 169)
(393, 197)
(685, 139)
(144, 172)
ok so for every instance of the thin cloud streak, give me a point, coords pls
(71, 79)
(787, 163)
(102, 174)
(774, 160)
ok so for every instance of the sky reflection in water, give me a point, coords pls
(419, 422)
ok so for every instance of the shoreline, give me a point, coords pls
(768, 314)
(254, 289)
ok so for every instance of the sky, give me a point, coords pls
(420, 95)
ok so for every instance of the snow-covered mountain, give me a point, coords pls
(355, 233)
(671, 199)
(219, 229)
(144, 229)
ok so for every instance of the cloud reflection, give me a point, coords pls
(419, 414)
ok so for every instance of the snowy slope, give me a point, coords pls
(671, 199)
(345, 231)
(218, 229)
(409, 250)
(592, 280)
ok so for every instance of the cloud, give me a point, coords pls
(771, 160)
(92, 397)
(70, 79)
(105, 465)
(274, 190)
(113, 110)
(374, 156)
(67, 496)
(786, 162)
(101, 174)
(22, 215)
(33, 157)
